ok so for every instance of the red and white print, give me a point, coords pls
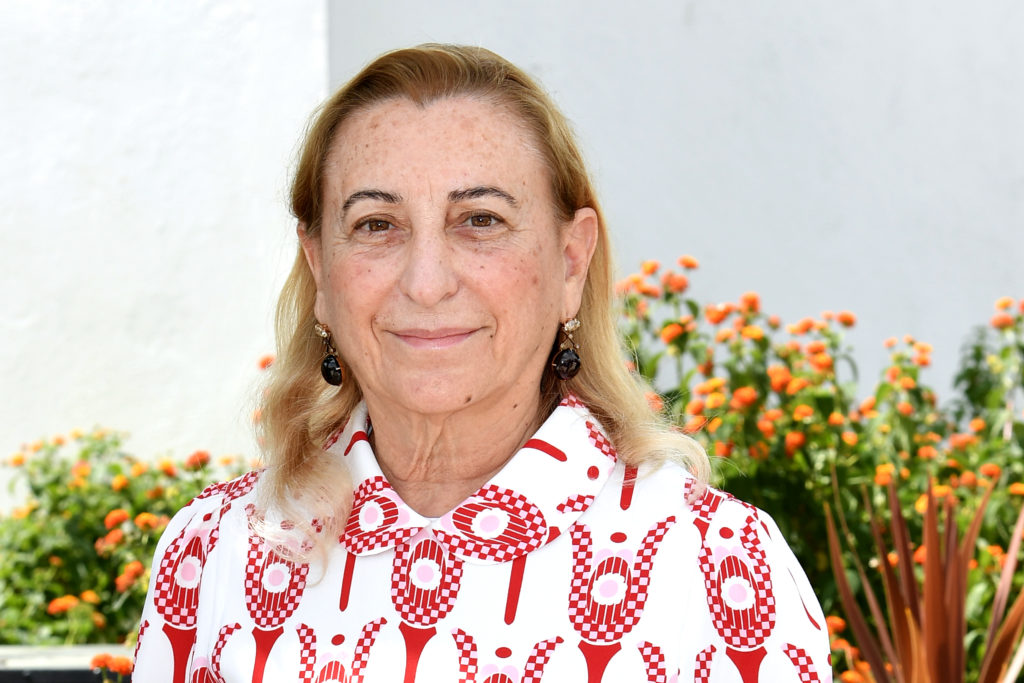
(567, 566)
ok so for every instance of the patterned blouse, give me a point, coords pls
(566, 567)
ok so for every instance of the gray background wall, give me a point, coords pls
(864, 156)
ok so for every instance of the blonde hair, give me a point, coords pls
(300, 411)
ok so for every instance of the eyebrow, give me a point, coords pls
(379, 195)
(482, 191)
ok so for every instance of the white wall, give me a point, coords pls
(865, 156)
(144, 154)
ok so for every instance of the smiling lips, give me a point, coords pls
(434, 339)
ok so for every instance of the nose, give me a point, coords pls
(430, 272)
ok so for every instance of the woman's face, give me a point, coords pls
(441, 268)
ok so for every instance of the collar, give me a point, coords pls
(541, 490)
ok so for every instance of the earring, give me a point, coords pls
(567, 362)
(330, 368)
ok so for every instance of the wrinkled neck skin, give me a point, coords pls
(436, 461)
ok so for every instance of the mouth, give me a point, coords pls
(434, 339)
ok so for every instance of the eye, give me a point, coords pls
(483, 220)
(374, 225)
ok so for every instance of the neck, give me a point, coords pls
(436, 461)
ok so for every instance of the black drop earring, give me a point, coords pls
(566, 362)
(330, 368)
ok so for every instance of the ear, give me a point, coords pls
(313, 252)
(579, 239)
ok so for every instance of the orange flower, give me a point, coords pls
(890, 342)
(846, 319)
(779, 377)
(883, 474)
(850, 438)
(907, 383)
(767, 428)
(816, 346)
(167, 467)
(923, 360)
(803, 412)
(266, 361)
(675, 283)
(753, 332)
(977, 424)
(962, 441)
(904, 409)
(694, 424)
(695, 407)
(654, 401)
(758, 450)
(827, 315)
(1003, 303)
(794, 441)
(81, 469)
(688, 262)
(115, 517)
(969, 479)
(197, 460)
(723, 449)
(796, 385)
(927, 452)
(146, 521)
(134, 569)
(821, 362)
(1016, 488)
(649, 267)
(100, 661)
(743, 397)
(840, 644)
(715, 401)
(138, 469)
(90, 597)
(835, 624)
(121, 666)
(649, 290)
(893, 558)
(774, 322)
(836, 419)
(750, 302)
(892, 373)
(1001, 320)
(671, 332)
(920, 554)
(62, 604)
(714, 424)
(119, 482)
(851, 676)
(990, 470)
(123, 582)
(716, 313)
(867, 405)
(113, 537)
(725, 334)
(17, 460)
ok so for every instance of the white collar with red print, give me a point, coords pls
(537, 495)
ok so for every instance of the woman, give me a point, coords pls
(463, 483)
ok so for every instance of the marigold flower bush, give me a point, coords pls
(75, 557)
(777, 405)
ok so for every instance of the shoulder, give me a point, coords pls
(210, 506)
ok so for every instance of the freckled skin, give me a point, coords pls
(501, 272)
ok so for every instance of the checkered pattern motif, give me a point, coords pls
(740, 628)
(367, 636)
(269, 609)
(386, 535)
(332, 671)
(138, 641)
(804, 666)
(706, 505)
(468, 663)
(218, 649)
(526, 530)
(600, 441)
(654, 662)
(417, 606)
(702, 667)
(577, 503)
(534, 668)
(176, 603)
(234, 488)
(307, 652)
(599, 623)
(571, 401)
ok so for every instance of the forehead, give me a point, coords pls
(452, 141)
